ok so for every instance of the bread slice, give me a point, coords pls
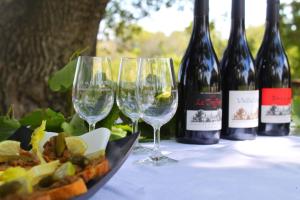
(68, 187)
(34, 196)
(63, 192)
(94, 170)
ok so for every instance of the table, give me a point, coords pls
(267, 168)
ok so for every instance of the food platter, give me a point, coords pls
(116, 152)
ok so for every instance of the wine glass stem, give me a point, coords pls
(92, 126)
(135, 129)
(156, 150)
(135, 126)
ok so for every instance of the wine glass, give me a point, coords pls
(126, 98)
(93, 95)
(157, 98)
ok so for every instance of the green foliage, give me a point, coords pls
(254, 37)
(62, 80)
(290, 31)
(8, 126)
(35, 118)
(109, 121)
(296, 111)
(120, 15)
(294, 59)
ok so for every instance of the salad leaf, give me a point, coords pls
(13, 173)
(66, 169)
(124, 127)
(8, 124)
(38, 172)
(7, 127)
(117, 133)
(35, 118)
(76, 126)
(37, 135)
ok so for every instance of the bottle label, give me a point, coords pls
(276, 105)
(243, 109)
(204, 112)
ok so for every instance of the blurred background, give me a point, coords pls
(38, 38)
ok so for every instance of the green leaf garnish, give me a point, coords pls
(7, 127)
(34, 119)
(76, 126)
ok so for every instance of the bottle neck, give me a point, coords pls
(238, 18)
(201, 26)
(201, 20)
(201, 8)
(237, 26)
(272, 34)
(238, 9)
(272, 20)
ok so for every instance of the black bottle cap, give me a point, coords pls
(201, 8)
(273, 10)
(238, 9)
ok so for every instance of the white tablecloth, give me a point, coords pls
(267, 168)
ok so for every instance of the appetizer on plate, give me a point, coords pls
(57, 167)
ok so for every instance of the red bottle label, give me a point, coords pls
(276, 105)
(276, 96)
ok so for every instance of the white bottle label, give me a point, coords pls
(204, 112)
(276, 114)
(243, 109)
(202, 120)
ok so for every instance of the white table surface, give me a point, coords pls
(267, 168)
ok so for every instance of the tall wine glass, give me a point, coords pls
(157, 98)
(126, 98)
(93, 95)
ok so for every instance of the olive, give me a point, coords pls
(46, 182)
(10, 188)
(81, 161)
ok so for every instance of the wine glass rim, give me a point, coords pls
(155, 58)
(128, 58)
(97, 57)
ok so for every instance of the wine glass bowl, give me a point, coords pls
(157, 105)
(93, 89)
(126, 96)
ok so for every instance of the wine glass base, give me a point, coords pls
(139, 149)
(157, 161)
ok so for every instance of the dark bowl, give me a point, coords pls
(116, 152)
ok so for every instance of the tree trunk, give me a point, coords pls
(37, 37)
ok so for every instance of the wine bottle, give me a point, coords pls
(239, 83)
(274, 78)
(199, 115)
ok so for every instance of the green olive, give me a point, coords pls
(10, 188)
(60, 144)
